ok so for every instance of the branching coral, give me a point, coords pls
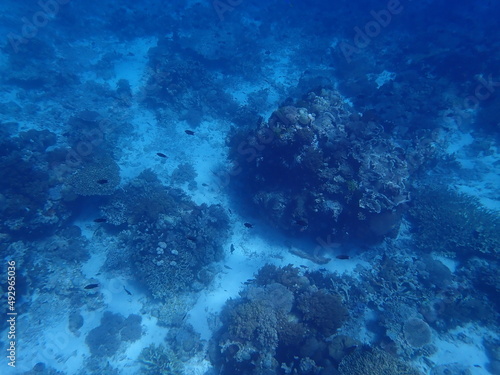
(97, 177)
(159, 360)
(450, 222)
(374, 362)
(171, 241)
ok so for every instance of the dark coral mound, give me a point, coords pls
(317, 167)
(278, 324)
(29, 193)
(105, 340)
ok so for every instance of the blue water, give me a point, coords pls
(230, 187)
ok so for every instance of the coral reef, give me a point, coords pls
(318, 168)
(374, 362)
(454, 223)
(184, 341)
(159, 360)
(29, 201)
(100, 176)
(184, 173)
(277, 325)
(322, 311)
(417, 332)
(169, 240)
(105, 340)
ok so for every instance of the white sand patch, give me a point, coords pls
(133, 64)
(463, 345)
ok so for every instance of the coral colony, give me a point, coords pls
(250, 188)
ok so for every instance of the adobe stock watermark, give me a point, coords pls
(58, 341)
(252, 148)
(223, 6)
(86, 146)
(482, 92)
(30, 27)
(372, 29)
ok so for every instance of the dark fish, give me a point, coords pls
(303, 266)
(189, 132)
(100, 220)
(191, 238)
(343, 256)
(130, 54)
(204, 184)
(102, 181)
(477, 366)
(161, 155)
(248, 225)
(91, 286)
(128, 292)
(229, 268)
(232, 248)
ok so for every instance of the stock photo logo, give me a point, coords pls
(33, 24)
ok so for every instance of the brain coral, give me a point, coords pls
(417, 332)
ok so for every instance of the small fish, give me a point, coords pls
(343, 256)
(91, 286)
(100, 220)
(191, 238)
(303, 266)
(161, 155)
(204, 184)
(232, 248)
(128, 292)
(229, 268)
(189, 132)
(477, 366)
(248, 225)
(102, 181)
